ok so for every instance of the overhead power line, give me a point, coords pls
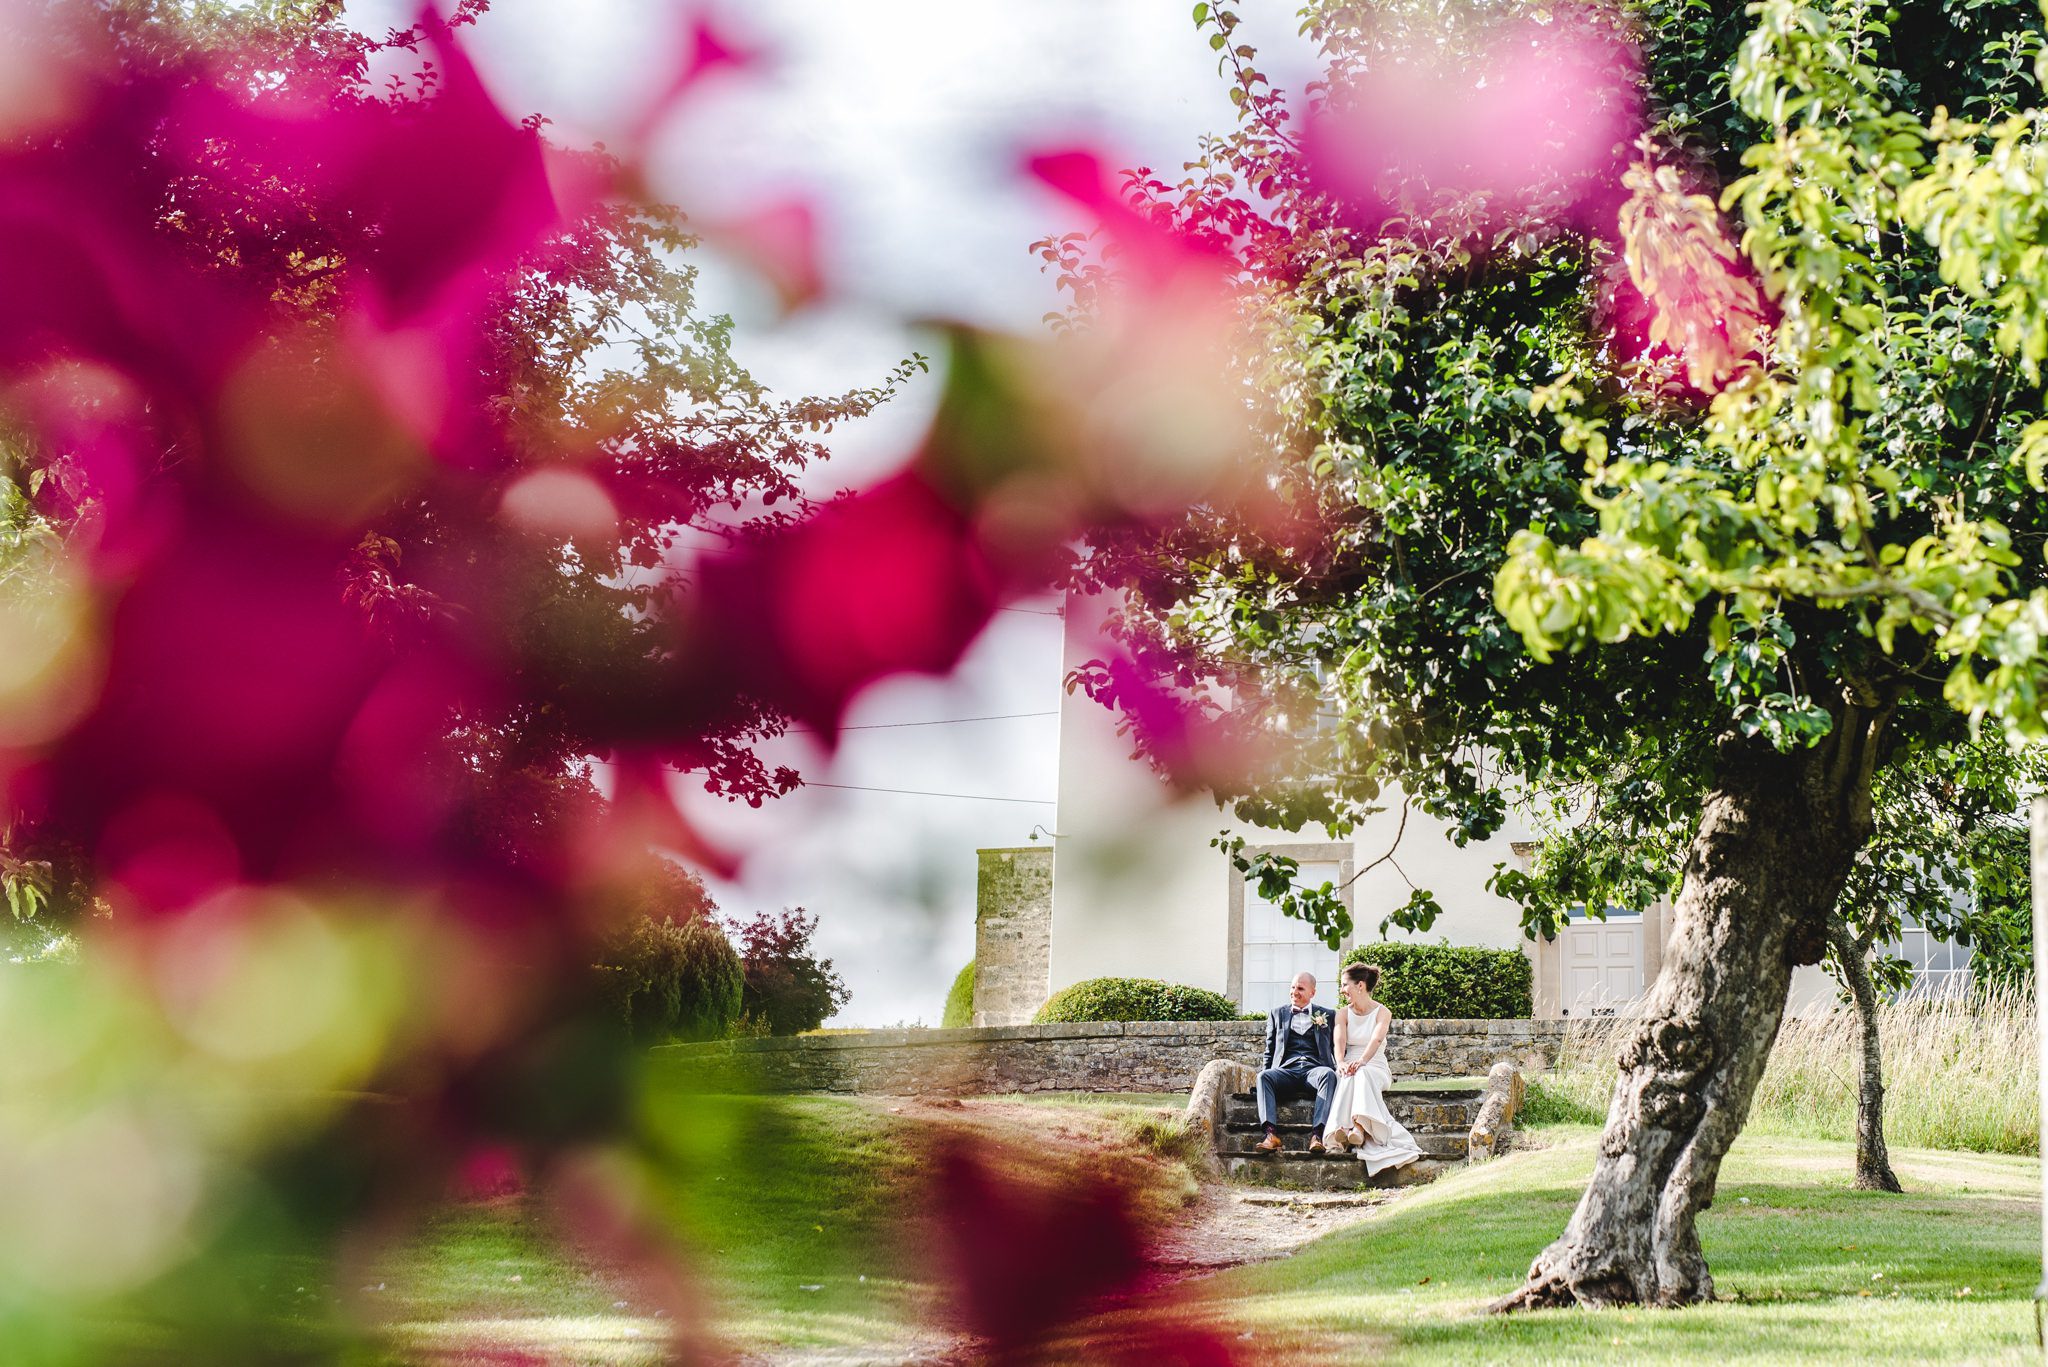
(943, 721)
(921, 792)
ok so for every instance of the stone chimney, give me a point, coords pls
(1012, 934)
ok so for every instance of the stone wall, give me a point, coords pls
(1012, 934)
(1148, 1056)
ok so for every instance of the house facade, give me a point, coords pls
(1129, 885)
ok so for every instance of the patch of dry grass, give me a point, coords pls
(1959, 1074)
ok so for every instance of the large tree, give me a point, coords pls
(1572, 484)
(1945, 854)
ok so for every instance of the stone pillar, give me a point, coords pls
(1012, 934)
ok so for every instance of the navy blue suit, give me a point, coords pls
(1298, 1063)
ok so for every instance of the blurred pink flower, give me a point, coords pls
(890, 580)
(1534, 121)
(1026, 1264)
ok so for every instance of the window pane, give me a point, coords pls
(1277, 947)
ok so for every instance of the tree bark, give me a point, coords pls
(1873, 1159)
(1775, 842)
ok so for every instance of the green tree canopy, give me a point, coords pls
(1688, 489)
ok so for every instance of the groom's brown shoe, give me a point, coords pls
(1315, 1144)
(1270, 1144)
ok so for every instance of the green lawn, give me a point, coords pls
(1809, 1269)
(803, 1219)
(801, 1216)
(790, 1210)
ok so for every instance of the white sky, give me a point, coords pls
(905, 119)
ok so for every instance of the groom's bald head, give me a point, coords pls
(1304, 990)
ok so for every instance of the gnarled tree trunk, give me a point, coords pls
(1772, 853)
(1873, 1160)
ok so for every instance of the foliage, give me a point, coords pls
(399, 531)
(669, 971)
(662, 890)
(1948, 850)
(384, 525)
(1436, 387)
(789, 988)
(1668, 458)
(672, 981)
(1449, 982)
(960, 1000)
(1134, 999)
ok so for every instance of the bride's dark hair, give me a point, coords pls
(1369, 974)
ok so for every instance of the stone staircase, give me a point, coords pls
(1453, 1122)
(1439, 1118)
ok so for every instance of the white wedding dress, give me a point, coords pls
(1361, 1100)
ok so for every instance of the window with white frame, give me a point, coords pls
(1277, 946)
(1327, 715)
(1940, 967)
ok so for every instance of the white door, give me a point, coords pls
(1277, 947)
(1603, 965)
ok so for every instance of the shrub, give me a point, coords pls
(672, 980)
(960, 1001)
(787, 985)
(1135, 999)
(1450, 982)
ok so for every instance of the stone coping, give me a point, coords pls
(1072, 1030)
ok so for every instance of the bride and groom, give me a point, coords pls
(1340, 1058)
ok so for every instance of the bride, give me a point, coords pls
(1358, 1113)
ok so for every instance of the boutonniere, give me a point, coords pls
(1322, 1021)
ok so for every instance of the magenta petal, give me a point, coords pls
(889, 581)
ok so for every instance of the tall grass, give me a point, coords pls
(1958, 1071)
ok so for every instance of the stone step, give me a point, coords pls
(1408, 1097)
(1403, 1098)
(1305, 1128)
(1269, 1197)
(1448, 1147)
(1314, 1172)
(1411, 1110)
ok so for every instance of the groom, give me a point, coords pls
(1299, 1061)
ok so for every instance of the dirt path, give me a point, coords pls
(1230, 1226)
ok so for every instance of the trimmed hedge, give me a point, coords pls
(1450, 982)
(1134, 999)
(960, 1001)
